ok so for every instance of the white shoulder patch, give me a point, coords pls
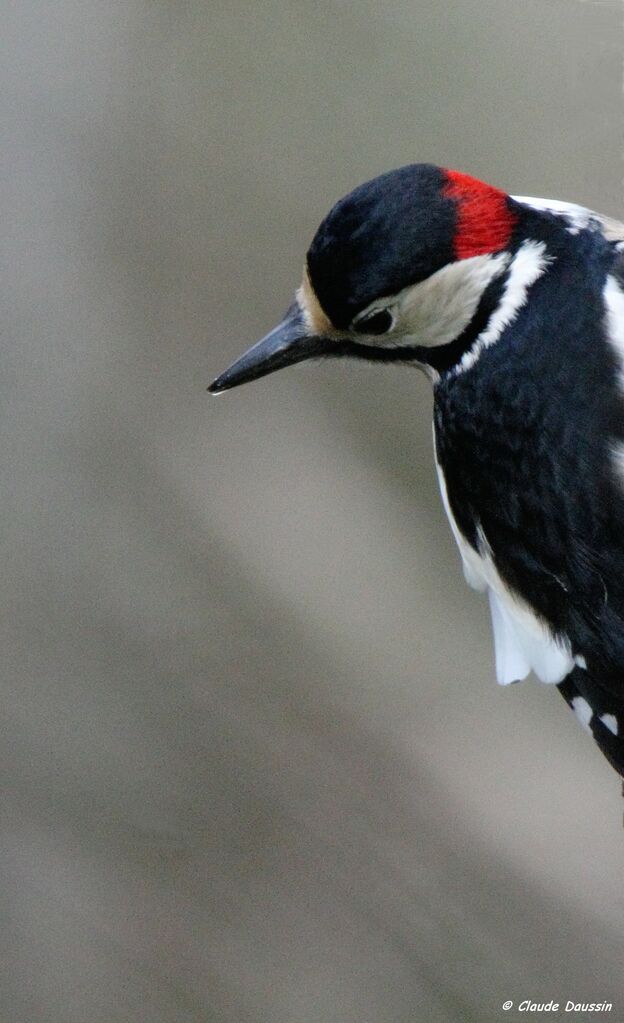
(578, 217)
(522, 643)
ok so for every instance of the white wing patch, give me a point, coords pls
(521, 642)
(610, 722)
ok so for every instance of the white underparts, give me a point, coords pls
(522, 643)
(527, 266)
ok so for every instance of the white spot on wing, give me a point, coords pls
(580, 662)
(610, 722)
(583, 712)
(528, 264)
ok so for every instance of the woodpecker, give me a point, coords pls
(514, 309)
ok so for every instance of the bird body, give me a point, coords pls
(514, 308)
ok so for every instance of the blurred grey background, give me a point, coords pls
(255, 766)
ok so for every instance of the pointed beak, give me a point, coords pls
(285, 345)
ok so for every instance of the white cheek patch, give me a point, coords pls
(436, 311)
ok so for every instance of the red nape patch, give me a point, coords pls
(484, 220)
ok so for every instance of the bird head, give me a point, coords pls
(407, 267)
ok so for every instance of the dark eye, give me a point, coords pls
(377, 323)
